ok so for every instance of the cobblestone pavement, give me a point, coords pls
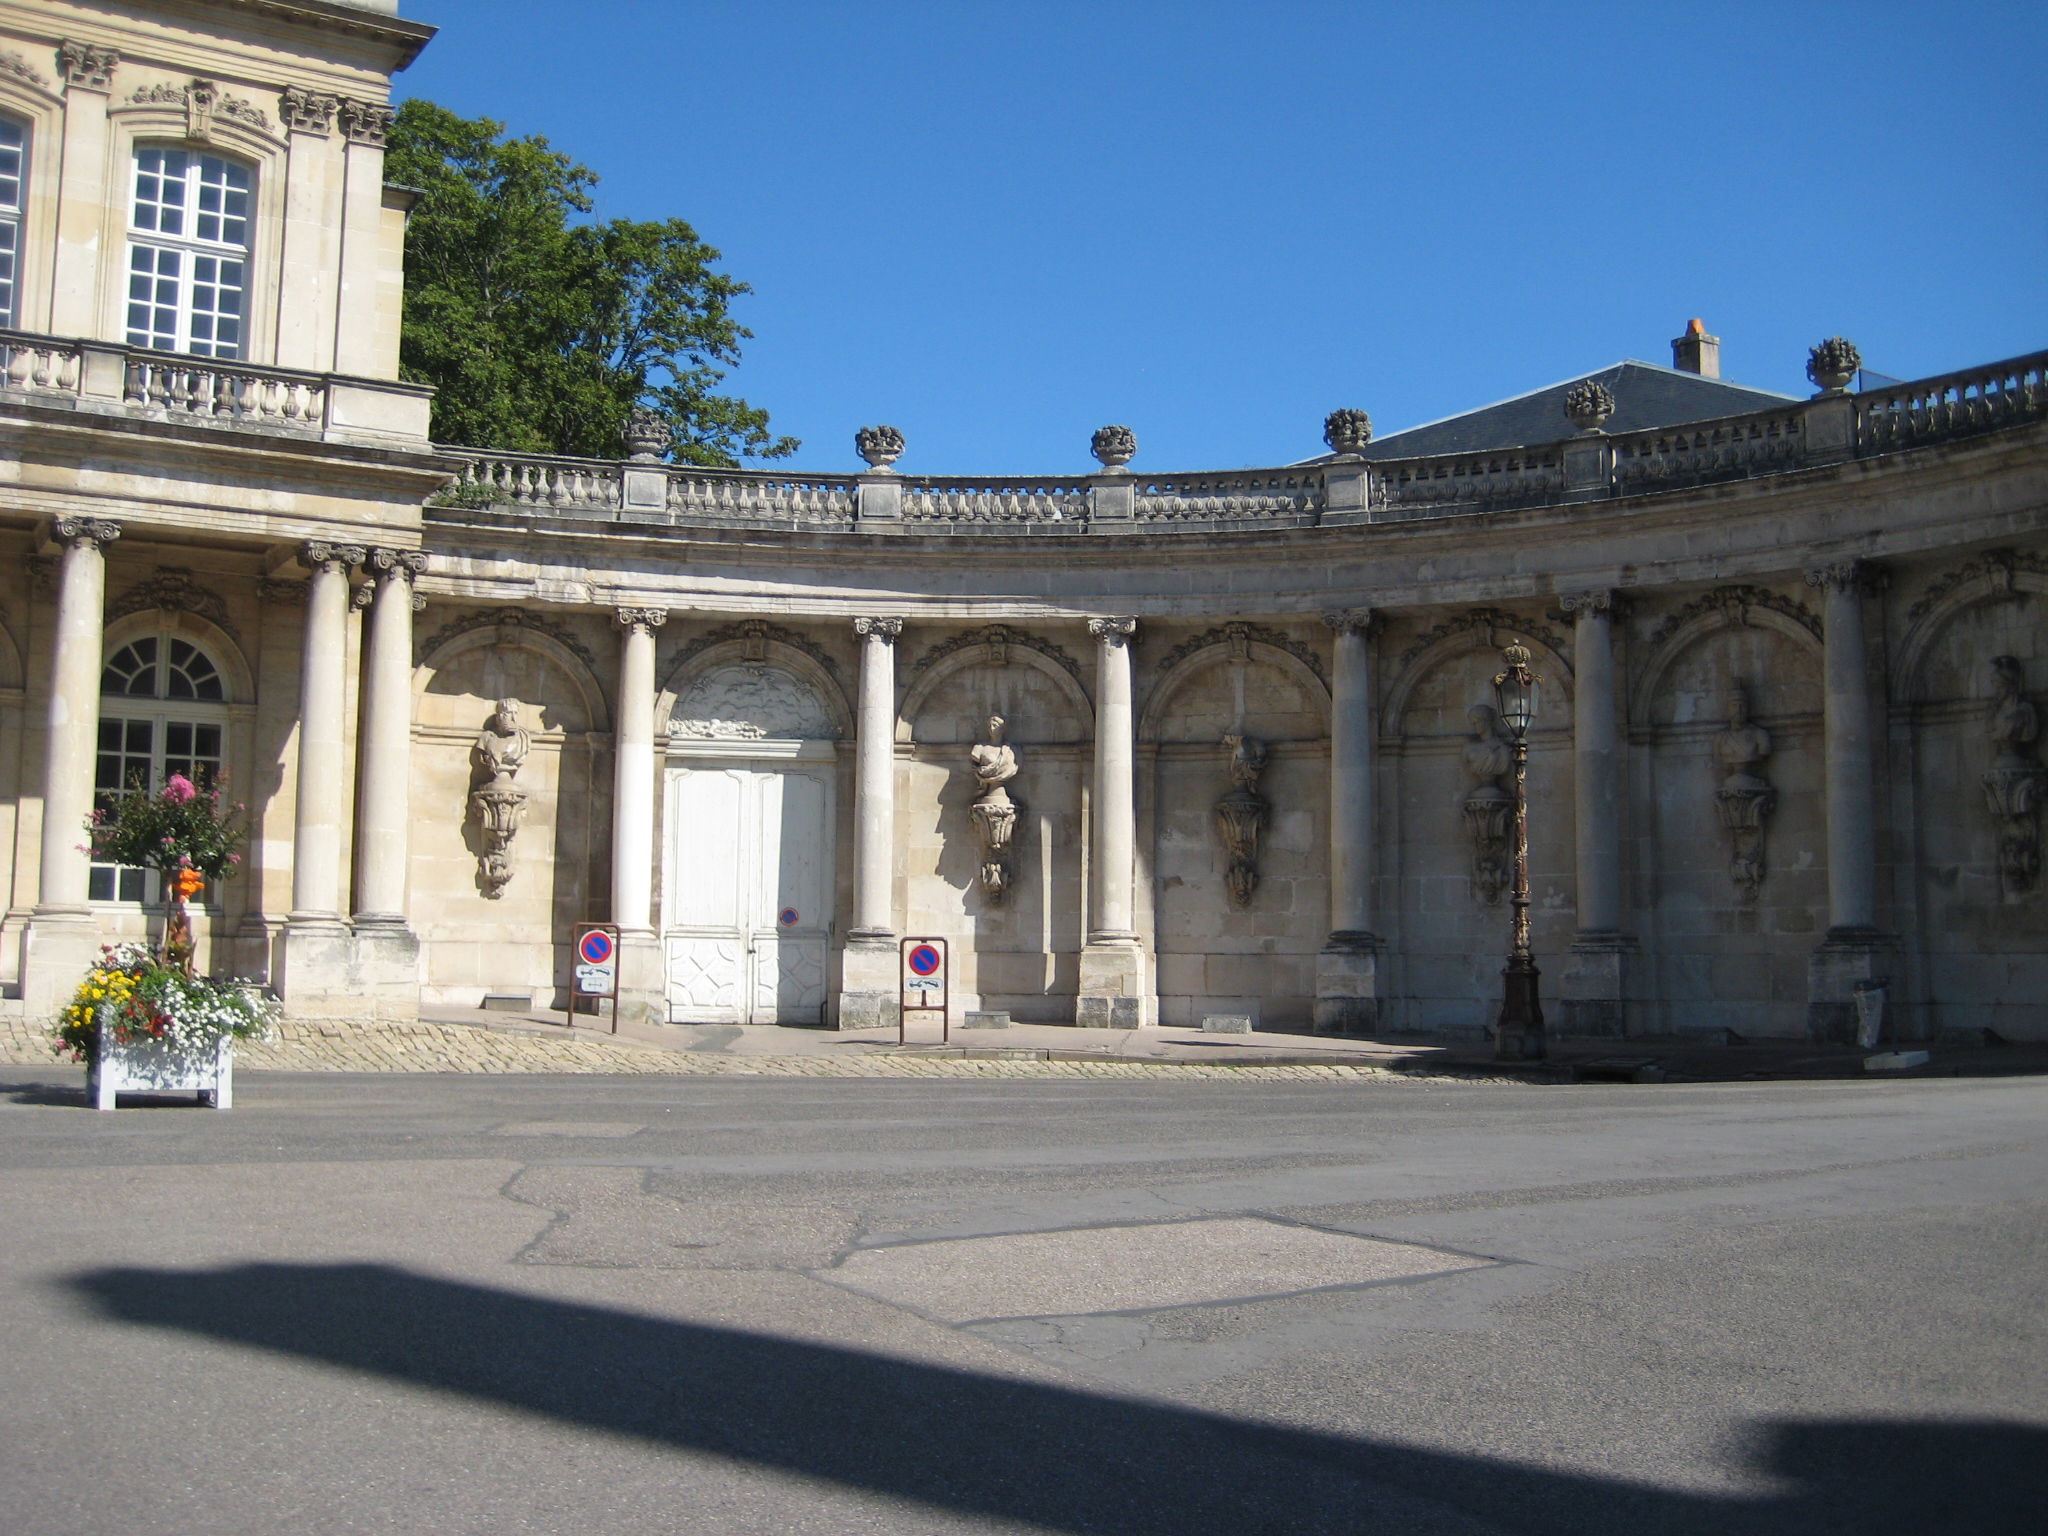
(444, 1047)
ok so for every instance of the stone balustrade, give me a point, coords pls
(175, 386)
(1589, 466)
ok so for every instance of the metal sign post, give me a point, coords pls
(924, 986)
(597, 966)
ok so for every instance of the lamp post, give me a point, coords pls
(1520, 1034)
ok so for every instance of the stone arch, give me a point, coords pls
(1550, 664)
(220, 646)
(590, 695)
(1981, 581)
(1188, 667)
(12, 675)
(1690, 631)
(694, 669)
(927, 683)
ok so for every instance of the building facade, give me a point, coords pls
(1140, 747)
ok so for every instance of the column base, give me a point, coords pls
(316, 972)
(1844, 958)
(1596, 994)
(387, 967)
(643, 979)
(58, 948)
(869, 976)
(1347, 985)
(1112, 993)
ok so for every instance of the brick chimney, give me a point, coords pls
(1697, 352)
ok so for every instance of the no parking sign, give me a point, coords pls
(923, 984)
(597, 960)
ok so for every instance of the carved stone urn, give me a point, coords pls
(1114, 446)
(880, 446)
(1241, 816)
(1833, 363)
(647, 436)
(1347, 431)
(1587, 405)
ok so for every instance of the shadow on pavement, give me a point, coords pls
(1063, 1459)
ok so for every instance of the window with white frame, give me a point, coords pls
(13, 184)
(188, 252)
(163, 710)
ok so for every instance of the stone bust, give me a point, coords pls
(502, 745)
(2015, 723)
(995, 764)
(1488, 755)
(1742, 748)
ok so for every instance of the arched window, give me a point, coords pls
(13, 189)
(188, 252)
(163, 710)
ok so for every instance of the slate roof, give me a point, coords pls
(1645, 396)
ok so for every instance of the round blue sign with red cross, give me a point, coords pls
(924, 960)
(788, 917)
(596, 947)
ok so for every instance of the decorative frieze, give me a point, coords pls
(1745, 799)
(202, 100)
(992, 811)
(173, 590)
(502, 618)
(1240, 637)
(14, 64)
(281, 590)
(2013, 783)
(995, 641)
(1241, 816)
(308, 111)
(497, 803)
(1489, 805)
(1995, 567)
(1734, 604)
(754, 636)
(1485, 626)
(81, 64)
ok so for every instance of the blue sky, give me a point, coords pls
(999, 226)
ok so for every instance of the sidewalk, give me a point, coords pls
(473, 1040)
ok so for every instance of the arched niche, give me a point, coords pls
(11, 674)
(514, 661)
(1990, 610)
(1436, 690)
(761, 689)
(1245, 686)
(1686, 678)
(949, 703)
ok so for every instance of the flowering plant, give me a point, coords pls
(137, 998)
(182, 833)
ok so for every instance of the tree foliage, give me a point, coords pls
(544, 329)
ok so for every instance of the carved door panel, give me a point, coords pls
(748, 893)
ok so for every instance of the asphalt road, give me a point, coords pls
(566, 1305)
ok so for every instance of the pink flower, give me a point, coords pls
(178, 789)
(234, 858)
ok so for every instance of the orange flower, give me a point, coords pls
(189, 883)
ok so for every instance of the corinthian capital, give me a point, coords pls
(886, 628)
(1349, 620)
(322, 556)
(649, 619)
(1114, 633)
(1846, 576)
(77, 532)
(1600, 600)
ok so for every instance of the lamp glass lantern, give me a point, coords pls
(1517, 692)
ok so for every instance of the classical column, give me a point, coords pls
(642, 984)
(383, 811)
(868, 961)
(1113, 981)
(74, 714)
(315, 970)
(874, 782)
(323, 765)
(1854, 951)
(1594, 988)
(1347, 999)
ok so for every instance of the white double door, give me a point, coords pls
(748, 891)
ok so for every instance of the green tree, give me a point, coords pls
(543, 329)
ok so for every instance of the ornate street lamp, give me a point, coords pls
(1520, 1034)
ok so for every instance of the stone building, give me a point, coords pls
(1140, 747)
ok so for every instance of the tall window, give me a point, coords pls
(188, 253)
(163, 710)
(13, 171)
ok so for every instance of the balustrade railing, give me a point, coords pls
(1953, 404)
(1519, 477)
(1703, 452)
(220, 390)
(1246, 495)
(995, 499)
(751, 495)
(534, 480)
(39, 362)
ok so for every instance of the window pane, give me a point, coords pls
(99, 884)
(13, 139)
(153, 297)
(10, 236)
(191, 674)
(160, 176)
(131, 671)
(132, 884)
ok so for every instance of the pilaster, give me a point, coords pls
(642, 982)
(1347, 968)
(387, 949)
(1115, 973)
(1596, 989)
(867, 965)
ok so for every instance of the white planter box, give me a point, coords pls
(156, 1067)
